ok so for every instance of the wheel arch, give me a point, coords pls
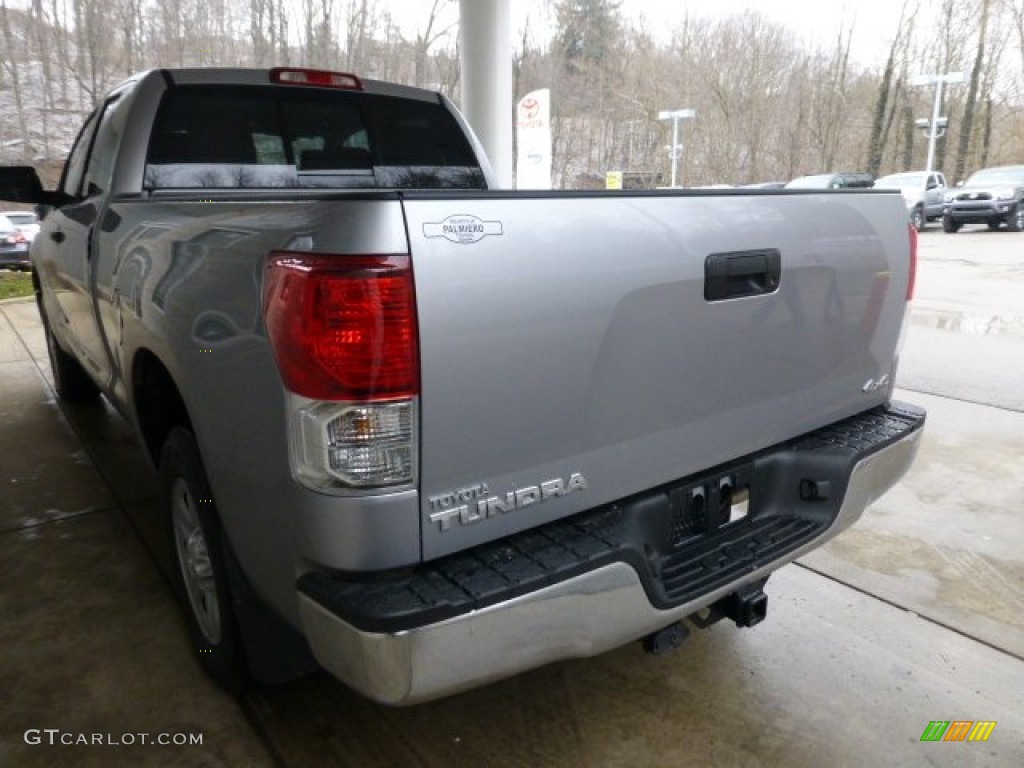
(275, 652)
(158, 403)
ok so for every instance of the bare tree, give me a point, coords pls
(97, 63)
(14, 50)
(768, 105)
(909, 131)
(972, 92)
(885, 106)
(360, 18)
(268, 32)
(427, 37)
(318, 46)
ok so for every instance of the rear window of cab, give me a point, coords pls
(260, 137)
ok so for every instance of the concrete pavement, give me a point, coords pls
(93, 646)
(910, 617)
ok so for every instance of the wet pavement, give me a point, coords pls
(966, 335)
(913, 615)
(93, 643)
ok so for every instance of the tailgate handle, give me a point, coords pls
(737, 274)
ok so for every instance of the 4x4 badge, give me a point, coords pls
(462, 228)
(873, 385)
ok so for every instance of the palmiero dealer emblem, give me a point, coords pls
(462, 228)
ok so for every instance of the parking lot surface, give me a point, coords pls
(914, 615)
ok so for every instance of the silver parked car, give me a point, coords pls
(990, 196)
(924, 192)
(13, 246)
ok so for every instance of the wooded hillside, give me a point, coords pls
(768, 106)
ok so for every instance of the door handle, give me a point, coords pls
(57, 236)
(741, 273)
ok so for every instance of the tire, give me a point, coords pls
(918, 219)
(994, 224)
(1015, 219)
(70, 381)
(950, 226)
(200, 577)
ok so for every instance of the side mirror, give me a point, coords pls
(21, 184)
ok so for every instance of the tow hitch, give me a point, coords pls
(747, 606)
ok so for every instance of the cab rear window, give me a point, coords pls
(259, 137)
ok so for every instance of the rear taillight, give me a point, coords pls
(343, 327)
(344, 334)
(912, 280)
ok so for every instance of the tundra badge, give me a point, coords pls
(480, 507)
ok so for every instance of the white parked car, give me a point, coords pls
(26, 221)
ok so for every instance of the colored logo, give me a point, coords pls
(958, 730)
(530, 107)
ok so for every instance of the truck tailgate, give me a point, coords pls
(577, 349)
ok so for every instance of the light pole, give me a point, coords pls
(675, 149)
(937, 125)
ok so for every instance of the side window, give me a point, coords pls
(100, 171)
(74, 168)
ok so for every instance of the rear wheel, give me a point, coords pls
(1015, 221)
(993, 224)
(949, 225)
(199, 552)
(70, 381)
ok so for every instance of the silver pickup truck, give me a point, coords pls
(438, 433)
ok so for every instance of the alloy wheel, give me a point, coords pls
(194, 560)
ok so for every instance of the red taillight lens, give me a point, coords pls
(319, 77)
(343, 327)
(913, 264)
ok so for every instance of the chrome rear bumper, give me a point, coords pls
(582, 616)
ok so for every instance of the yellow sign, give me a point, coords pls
(613, 180)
